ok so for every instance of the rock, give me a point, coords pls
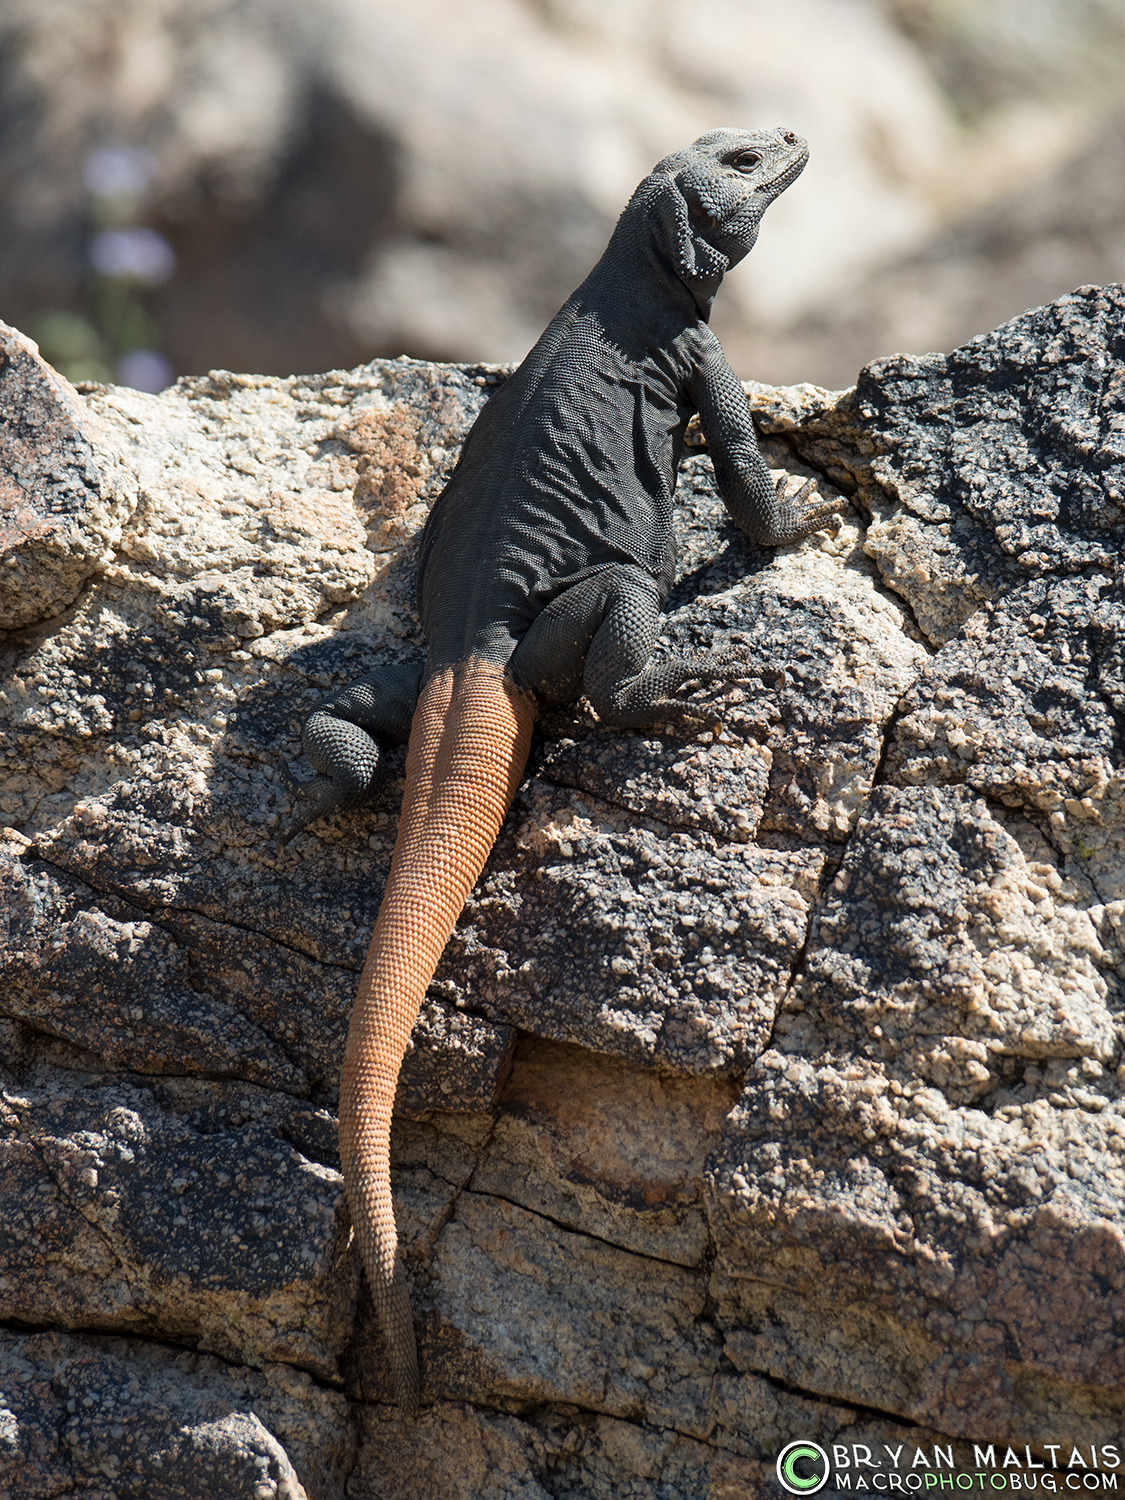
(61, 515)
(685, 948)
(1002, 460)
(1025, 708)
(770, 1079)
(930, 1148)
(121, 1214)
(65, 943)
(596, 1144)
(104, 1417)
(471, 1454)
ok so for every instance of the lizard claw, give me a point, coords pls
(800, 516)
(321, 796)
(301, 789)
(804, 496)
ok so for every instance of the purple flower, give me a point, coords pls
(115, 170)
(141, 253)
(144, 370)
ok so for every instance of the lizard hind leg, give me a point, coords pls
(342, 740)
(597, 638)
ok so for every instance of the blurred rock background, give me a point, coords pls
(285, 187)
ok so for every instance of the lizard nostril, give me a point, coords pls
(789, 136)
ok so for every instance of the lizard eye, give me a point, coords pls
(746, 161)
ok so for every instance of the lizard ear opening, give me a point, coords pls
(693, 257)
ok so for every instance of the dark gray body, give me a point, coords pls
(550, 551)
(570, 468)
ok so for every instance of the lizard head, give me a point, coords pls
(708, 207)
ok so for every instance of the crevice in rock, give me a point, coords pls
(879, 775)
(796, 969)
(173, 1345)
(1043, 824)
(460, 1189)
(1062, 859)
(764, 838)
(849, 486)
(853, 491)
(904, 606)
(39, 631)
(561, 1224)
(854, 488)
(832, 866)
(443, 992)
(528, 1411)
(152, 914)
(875, 1413)
(267, 937)
(104, 1069)
(34, 1140)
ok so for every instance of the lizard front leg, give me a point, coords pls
(756, 504)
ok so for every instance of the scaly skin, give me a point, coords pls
(468, 748)
(543, 570)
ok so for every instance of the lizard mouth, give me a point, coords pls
(790, 174)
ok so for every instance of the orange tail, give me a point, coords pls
(468, 748)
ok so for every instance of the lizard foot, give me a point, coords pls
(350, 765)
(656, 695)
(798, 517)
(324, 797)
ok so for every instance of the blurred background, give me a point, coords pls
(286, 186)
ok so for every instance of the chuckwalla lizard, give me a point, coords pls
(545, 564)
